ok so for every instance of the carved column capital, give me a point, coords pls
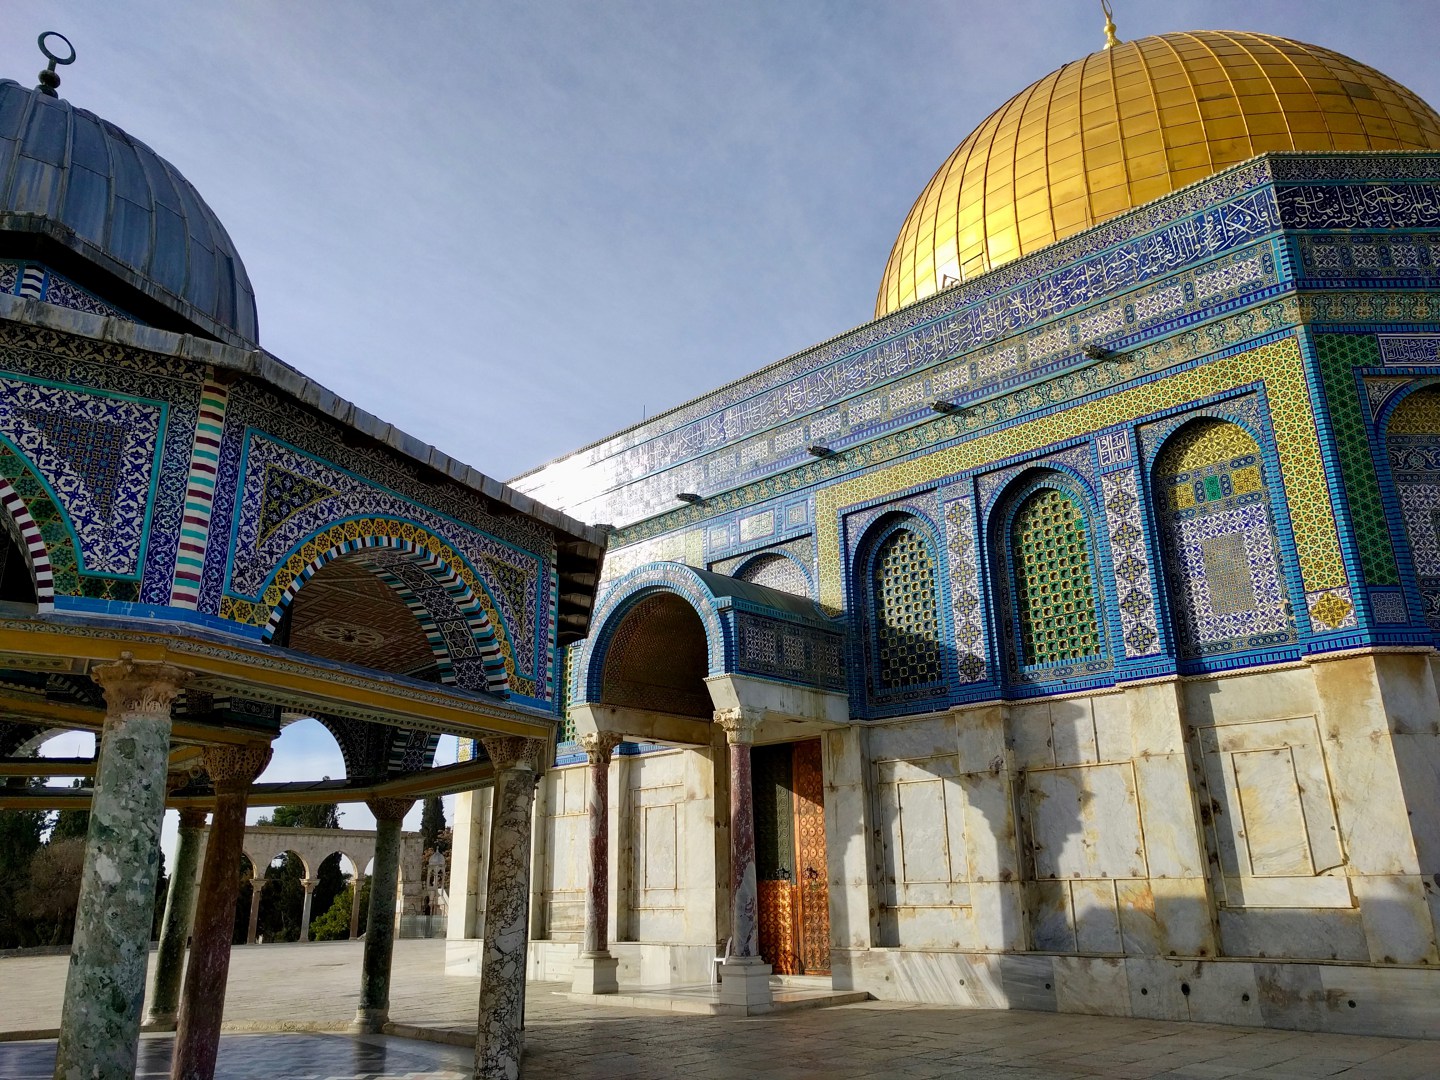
(132, 687)
(192, 817)
(309, 883)
(389, 809)
(599, 745)
(739, 725)
(233, 769)
(514, 752)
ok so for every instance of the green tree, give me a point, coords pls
(71, 824)
(20, 833)
(432, 822)
(316, 816)
(334, 925)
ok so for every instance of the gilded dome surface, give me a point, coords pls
(1129, 124)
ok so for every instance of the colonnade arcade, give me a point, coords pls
(689, 658)
(185, 719)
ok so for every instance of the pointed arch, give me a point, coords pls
(1220, 552)
(776, 570)
(1047, 569)
(444, 575)
(1412, 450)
(20, 523)
(899, 584)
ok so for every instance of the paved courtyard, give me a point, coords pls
(315, 987)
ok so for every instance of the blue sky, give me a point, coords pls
(511, 228)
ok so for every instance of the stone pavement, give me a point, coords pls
(299, 985)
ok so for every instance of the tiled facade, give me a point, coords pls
(1118, 608)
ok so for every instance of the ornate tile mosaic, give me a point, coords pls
(1338, 355)
(1409, 350)
(966, 598)
(253, 409)
(97, 454)
(1412, 443)
(1221, 557)
(1053, 593)
(1277, 365)
(777, 571)
(777, 649)
(904, 592)
(290, 500)
(1138, 363)
(56, 358)
(1130, 561)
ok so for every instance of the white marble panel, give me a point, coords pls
(913, 739)
(1085, 822)
(980, 739)
(1396, 917)
(1113, 734)
(1030, 735)
(1072, 726)
(661, 846)
(1094, 916)
(1094, 986)
(988, 841)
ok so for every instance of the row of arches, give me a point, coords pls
(1048, 553)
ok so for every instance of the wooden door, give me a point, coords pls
(773, 791)
(811, 869)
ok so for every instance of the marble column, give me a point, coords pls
(308, 884)
(595, 968)
(744, 977)
(355, 904)
(498, 1039)
(374, 1011)
(105, 987)
(179, 914)
(257, 888)
(232, 770)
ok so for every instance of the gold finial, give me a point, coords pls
(1110, 39)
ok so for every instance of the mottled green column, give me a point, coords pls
(374, 1010)
(175, 930)
(105, 987)
(499, 1040)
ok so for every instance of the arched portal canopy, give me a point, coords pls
(672, 644)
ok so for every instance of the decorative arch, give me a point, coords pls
(421, 549)
(1412, 449)
(1043, 538)
(1220, 551)
(674, 578)
(899, 582)
(777, 570)
(31, 541)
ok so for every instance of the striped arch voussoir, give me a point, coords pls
(36, 553)
(497, 658)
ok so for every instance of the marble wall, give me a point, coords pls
(1260, 848)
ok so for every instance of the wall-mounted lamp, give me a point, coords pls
(689, 497)
(947, 407)
(1096, 352)
(820, 451)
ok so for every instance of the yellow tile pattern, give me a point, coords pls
(1278, 365)
(1126, 125)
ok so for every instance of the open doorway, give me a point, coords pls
(790, 867)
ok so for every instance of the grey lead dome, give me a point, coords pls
(64, 166)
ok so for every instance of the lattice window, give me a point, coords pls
(1054, 583)
(904, 589)
(1227, 591)
(1412, 442)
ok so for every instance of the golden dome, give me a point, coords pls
(1129, 124)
